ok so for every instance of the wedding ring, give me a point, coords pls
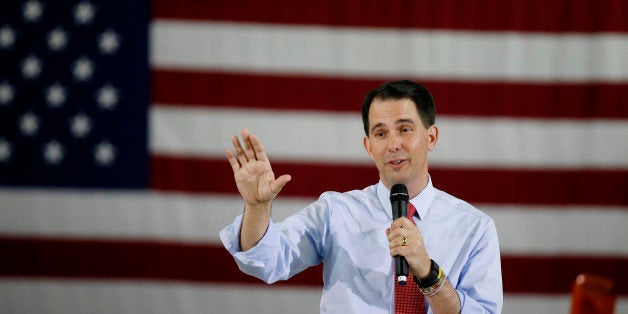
(404, 241)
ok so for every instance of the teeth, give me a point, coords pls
(396, 162)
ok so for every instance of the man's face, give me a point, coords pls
(398, 143)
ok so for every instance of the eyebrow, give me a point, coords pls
(400, 121)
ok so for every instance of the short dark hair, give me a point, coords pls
(399, 90)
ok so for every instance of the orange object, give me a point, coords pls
(593, 294)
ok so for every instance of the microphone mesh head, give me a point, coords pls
(399, 192)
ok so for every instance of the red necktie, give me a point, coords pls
(408, 298)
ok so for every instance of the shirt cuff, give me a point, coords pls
(257, 256)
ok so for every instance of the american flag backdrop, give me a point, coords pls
(115, 117)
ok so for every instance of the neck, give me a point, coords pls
(416, 187)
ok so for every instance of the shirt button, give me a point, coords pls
(251, 262)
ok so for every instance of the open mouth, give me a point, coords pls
(397, 162)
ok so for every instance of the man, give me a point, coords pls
(452, 252)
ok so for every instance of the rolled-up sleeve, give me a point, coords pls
(258, 260)
(286, 248)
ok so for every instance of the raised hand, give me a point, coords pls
(252, 171)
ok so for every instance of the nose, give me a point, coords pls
(394, 143)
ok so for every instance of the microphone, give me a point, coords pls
(399, 201)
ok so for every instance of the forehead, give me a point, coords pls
(388, 111)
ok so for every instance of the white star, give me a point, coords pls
(6, 93)
(80, 125)
(84, 13)
(109, 42)
(31, 67)
(29, 124)
(57, 39)
(107, 97)
(83, 69)
(32, 11)
(5, 150)
(55, 95)
(104, 153)
(7, 37)
(53, 152)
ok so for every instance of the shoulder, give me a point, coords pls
(360, 196)
(355, 203)
(458, 207)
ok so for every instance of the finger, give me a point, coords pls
(260, 153)
(238, 149)
(399, 222)
(404, 241)
(398, 241)
(280, 183)
(397, 231)
(398, 250)
(235, 166)
(248, 146)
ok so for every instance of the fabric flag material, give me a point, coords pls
(74, 93)
(115, 117)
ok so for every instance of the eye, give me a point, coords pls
(406, 129)
(378, 133)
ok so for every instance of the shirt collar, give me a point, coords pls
(421, 202)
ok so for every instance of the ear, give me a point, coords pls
(367, 147)
(432, 137)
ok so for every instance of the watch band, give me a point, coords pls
(435, 274)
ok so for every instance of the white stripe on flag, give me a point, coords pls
(388, 52)
(337, 138)
(77, 296)
(48, 296)
(528, 230)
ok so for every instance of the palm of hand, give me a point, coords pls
(254, 181)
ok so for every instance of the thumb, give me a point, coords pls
(280, 183)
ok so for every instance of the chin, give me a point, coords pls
(397, 180)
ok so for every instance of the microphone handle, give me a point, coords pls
(401, 269)
(400, 209)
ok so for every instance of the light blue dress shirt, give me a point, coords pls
(347, 232)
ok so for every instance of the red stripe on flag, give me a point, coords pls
(145, 260)
(499, 186)
(557, 273)
(497, 15)
(268, 91)
(126, 259)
